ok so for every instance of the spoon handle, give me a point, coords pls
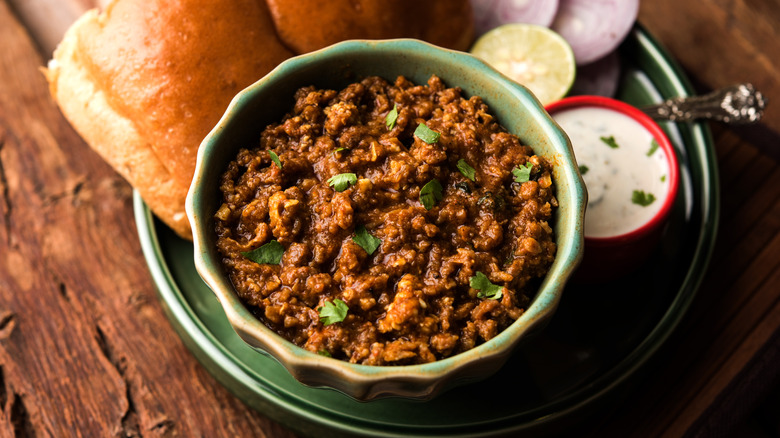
(738, 104)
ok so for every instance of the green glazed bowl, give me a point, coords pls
(267, 100)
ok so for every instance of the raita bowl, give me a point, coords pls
(632, 184)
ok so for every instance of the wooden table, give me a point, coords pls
(85, 348)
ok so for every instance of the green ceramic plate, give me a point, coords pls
(594, 347)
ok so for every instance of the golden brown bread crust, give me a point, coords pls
(113, 136)
(146, 80)
(307, 25)
(179, 65)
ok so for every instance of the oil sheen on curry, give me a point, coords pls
(387, 223)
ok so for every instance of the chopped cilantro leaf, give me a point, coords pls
(522, 173)
(466, 170)
(485, 287)
(342, 181)
(270, 253)
(653, 147)
(639, 197)
(426, 134)
(392, 116)
(366, 241)
(324, 353)
(610, 141)
(663, 178)
(333, 311)
(275, 159)
(431, 193)
(583, 169)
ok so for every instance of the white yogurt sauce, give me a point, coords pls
(613, 174)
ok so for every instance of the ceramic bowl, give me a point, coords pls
(610, 256)
(271, 97)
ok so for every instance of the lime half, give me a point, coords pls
(532, 55)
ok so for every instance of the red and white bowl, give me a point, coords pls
(631, 173)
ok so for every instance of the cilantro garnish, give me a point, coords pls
(523, 172)
(583, 169)
(366, 241)
(324, 352)
(426, 134)
(333, 311)
(431, 193)
(392, 116)
(466, 170)
(342, 181)
(663, 178)
(485, 287)
(270, 253)
(610, 141)
(653, 147)
(639, 197)
(275, 159)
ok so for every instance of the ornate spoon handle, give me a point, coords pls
(737, 104)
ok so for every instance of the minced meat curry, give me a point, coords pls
(387, 223)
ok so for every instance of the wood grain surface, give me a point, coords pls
(86, 350)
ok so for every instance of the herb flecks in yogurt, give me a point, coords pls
(653, 147)
(639, 197)
(613, 173)
(610, 141)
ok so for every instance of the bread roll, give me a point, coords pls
(307, 25)
(115, 137)
(144, 81)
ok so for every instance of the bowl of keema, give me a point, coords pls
(386, 218)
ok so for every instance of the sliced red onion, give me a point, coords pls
(594, 28)
(493, 13)
(599, 78)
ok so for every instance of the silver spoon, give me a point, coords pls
(739, 104)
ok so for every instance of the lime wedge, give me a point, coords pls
(532, 55)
